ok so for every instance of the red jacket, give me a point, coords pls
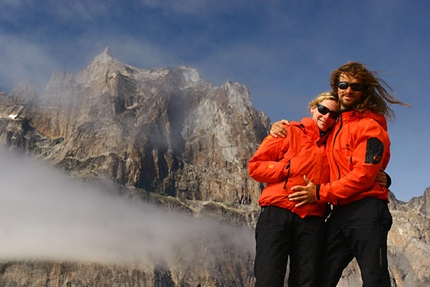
(357, 148)
(282, 163)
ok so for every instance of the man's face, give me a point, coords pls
(349, 96)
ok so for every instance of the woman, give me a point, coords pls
(284, 230)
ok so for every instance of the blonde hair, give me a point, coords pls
(321, 97)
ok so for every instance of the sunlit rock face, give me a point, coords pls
(168, 137)
(165, 130)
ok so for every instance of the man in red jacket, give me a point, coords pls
(358, 148)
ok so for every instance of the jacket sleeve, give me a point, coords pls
(268, 163)
(369, 154)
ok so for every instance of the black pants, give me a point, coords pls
(281, 233)
(359, 230)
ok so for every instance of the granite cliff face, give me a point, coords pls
(169, 137)
(166, 130)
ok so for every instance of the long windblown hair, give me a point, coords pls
(375, 98)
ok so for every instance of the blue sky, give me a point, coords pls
(283, 51)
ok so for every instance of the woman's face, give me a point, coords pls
(325, 114)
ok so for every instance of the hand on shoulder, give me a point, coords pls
(279, 129)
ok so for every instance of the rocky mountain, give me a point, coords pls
(168, 137)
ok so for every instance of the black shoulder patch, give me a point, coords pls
(374, 151)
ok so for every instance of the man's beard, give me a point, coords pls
(348, 105)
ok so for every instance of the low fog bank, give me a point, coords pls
(46, 216)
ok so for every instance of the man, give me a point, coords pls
(358, 148)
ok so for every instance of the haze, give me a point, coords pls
(48, 216)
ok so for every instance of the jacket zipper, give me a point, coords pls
(334, 143)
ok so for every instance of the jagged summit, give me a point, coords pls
(105, 56)
(108, 52)
(103, 66)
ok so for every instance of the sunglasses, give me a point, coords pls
(324, 110)
(357, 87)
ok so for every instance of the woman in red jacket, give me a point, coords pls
(284, 230)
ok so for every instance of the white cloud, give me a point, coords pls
(48, 216)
